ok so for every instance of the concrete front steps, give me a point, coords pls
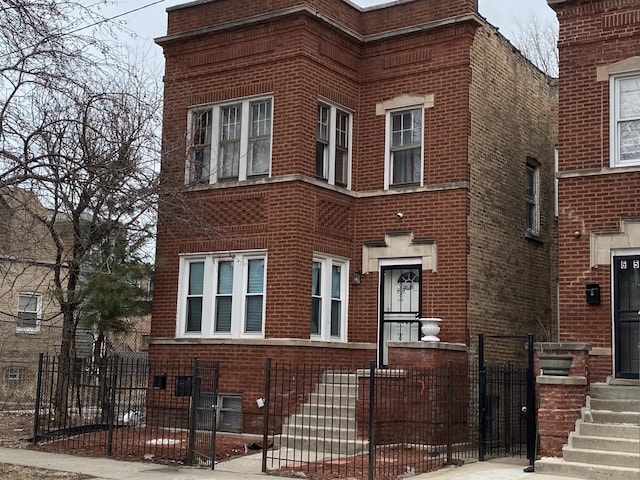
(327, 422)
(606, 442)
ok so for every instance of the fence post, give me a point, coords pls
(36, 416)
(482, 394)
(532, 436)
(214, 427)
(192, 410)
(451, 409)
(265, 418)
(112, 403)
(372, 420)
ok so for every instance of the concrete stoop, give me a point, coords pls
(327, 422)
(606, 441)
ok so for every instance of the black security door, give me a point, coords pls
(626, 315)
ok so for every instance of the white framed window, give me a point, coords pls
(29, 312)
(533, 196)
(625, 120)
(14, 376)
(230, 141)
(404, 147)
(222, 295)
(333, 145)
(329, 298)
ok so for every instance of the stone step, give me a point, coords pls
(560, 467)
(615, 392)
(332, 400)
(339, 390)
(327, 445)
(613, 405)
(322, 421)
(339, 378)
(604, 430)
(596, 457)
(335, 411)
(318, 431)
(604, 443)
(605, 416)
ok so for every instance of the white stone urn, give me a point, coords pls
(430, 327)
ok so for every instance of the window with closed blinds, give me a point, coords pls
(255, 298)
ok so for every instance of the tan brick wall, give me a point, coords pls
(512, 280)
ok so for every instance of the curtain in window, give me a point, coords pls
(629, 124)
(322, 142)
(316, 298)
(336, 301)
(260, 138)
(230, 141)
(255, 290)
(201, 143)
(194, 298)
(224, 299)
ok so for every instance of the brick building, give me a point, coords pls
(599, 179)
(347, 170)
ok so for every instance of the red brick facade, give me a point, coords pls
(492, 111)
(598, 199)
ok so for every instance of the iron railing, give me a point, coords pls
(368, 423)
(129, 407)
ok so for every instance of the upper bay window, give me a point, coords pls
(333, 145)
(230, 141)
(222, 295)
(625, 120)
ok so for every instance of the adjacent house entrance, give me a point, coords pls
(400, 300)
(626, 316)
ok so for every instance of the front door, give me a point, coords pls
(400, 294)
(626, 317)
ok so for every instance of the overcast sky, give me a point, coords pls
(150, 21)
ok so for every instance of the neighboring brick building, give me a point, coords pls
(347, 170)
(599, 181)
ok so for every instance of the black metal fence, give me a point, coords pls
(369, 423)
(128, 406)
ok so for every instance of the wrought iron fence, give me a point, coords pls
(128, 406)
(369, 423)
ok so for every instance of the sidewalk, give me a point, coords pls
(246, 468)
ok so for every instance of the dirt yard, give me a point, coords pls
(16, 429)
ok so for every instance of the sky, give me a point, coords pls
(150, 21)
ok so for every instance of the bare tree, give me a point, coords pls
(80, 131)
(538, 41)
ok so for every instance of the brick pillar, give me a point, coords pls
(560, 402)
(426, 354)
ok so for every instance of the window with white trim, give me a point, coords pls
(405, 147)
(533, 196)
(29, 312)
(222, 295)
(333, 144)
(230, 141)
(329, 298)
(14, 376)
(625, 120)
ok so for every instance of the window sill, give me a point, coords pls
(534, 237)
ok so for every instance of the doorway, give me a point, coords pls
(400, 301)
(626, 315)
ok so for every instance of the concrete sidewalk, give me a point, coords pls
(247, 467)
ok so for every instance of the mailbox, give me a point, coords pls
(593, 294)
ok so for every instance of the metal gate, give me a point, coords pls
(506, 404)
